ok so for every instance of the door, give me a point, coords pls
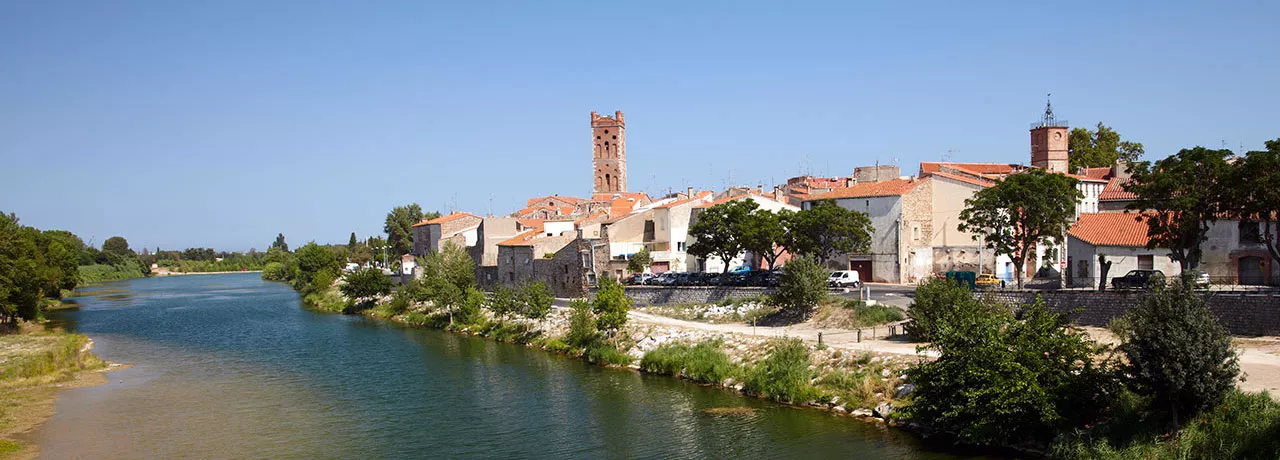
(863, 267)
(1251, 271)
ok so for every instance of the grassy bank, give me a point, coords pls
(33, 365)
(101, 273)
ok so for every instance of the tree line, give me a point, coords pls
(822, 231)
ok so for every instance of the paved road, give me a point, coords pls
(898, 295)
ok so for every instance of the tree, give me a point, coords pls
(1095, 149)
(504, 302)
(117, 245)
(639, 261)
(1256, 186)
(1020, 212)
(826, 229)
(1177, 352)
(447, 276)
(1005, 381)
(1104, 267)
(761, 233)
(399, 227)
(583, 330)
(537, 300)
(312, 261)
(351, 244)
(366, 283)
(715, 231)
(937, 301)
(611, 304)
(278, 244)
(803, 284)
(1179, 197)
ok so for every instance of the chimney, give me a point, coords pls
(759, 189)
(690, 192)
(1120, 170)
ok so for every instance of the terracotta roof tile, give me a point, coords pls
(1115, 191)
(523, 239)
(930, 167)
(966, 179)
(446, 219)
(871, 189)
(696, 196)
(531, 223)
(1098, 173)
(1111, 229)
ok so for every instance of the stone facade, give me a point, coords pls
(430, 235)
(609, 154)
(863, 174)
(1241, 313)
(566, 271)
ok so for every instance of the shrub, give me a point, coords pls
(602, 353)
(398, 305)
(611, 305)
(803, 285)
(537, 300)
(369, 282)
(1178, 353)
(936, 301)
(784, 375)
(705, 362)
(1004, 381)
(275, 271)
(582, 325)
(503, 302)
(468, 311)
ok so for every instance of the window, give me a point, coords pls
(566, 269)
(680, 246)
(915, 231)
(1146, 262)
(526, 261)
(1249, 233)
(511, 276)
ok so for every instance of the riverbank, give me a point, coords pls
(165, 272)
(34, 365)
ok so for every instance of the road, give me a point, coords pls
(898, 295)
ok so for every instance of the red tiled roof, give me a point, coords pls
(1084, 178)
(720, 201)
(696, 196)
(1115, 191)
(596, 216)
(446, 219)
(1103, 173)
(930, 167)
(965, 179)
(523, 239)
(871, 189)
(534, 201)
(1111, 229)
(531, 223)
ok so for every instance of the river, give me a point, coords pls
(229, 366)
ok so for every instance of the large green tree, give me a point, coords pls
(279, 243)
(367, 283)
(1255, 193)
(1094, 149)
(826, 229)
(1179, 197)
(716, 230)
(399, 227)
(762, 233)
(1021, 211)
(117, 245)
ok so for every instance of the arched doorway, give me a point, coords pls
(1250, 271)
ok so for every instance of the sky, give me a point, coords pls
(221, 124)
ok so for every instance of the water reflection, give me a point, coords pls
(235, 368)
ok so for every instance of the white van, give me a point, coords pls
(844, 278)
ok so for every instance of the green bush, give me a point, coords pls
(275, 271)
(611, 305)
(582, 325)
(784, 375)
(398, 305)
(1002, 381)
(602, 353)
(504, 302)
(468, 311)
(937, 300)
(871, 315)
(366, 283)
(1178, 353)
(705, 362)
(537, 300)
(803, 284)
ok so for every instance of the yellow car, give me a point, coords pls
(987, 280)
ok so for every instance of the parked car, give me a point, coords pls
(1137, 279)
(640, 278)
(844, 278)
(987, 280)
(1198, 278)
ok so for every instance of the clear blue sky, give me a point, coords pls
(222, 123)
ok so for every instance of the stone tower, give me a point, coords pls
(609, 154)
(1049, 142)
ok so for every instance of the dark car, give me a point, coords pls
(1137, 279)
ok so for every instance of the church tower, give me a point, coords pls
(609, 154)
(1049, 142)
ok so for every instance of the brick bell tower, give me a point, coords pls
(1049, 142)
(609, 154)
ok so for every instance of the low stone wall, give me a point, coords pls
(663, 295)
(1241, 313)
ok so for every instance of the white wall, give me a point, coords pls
(885, 213)
(1122, 258)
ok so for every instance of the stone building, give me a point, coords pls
(459, 228)
(609, 154)
(1049, 143)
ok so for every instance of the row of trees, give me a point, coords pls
(822, 231)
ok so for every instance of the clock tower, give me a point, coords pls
(1049, 142)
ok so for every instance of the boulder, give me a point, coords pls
(883, 410)
(904, 390)
(862, 412)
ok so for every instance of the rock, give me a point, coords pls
(839, 409)
(884, 373)
(904, 389)
(883, 410)
(835, 400)
(860, 412)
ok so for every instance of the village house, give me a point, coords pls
(458, 228)
(712, 264)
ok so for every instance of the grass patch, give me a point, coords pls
(44, 355)
(784, 375)
(100, 273)
(705, 362)
(1244, 426)
(329, 300)
(853, 314)
(606, 354)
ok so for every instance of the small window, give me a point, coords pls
(526, 261)
(1249, 233)
(566, 269)
(680, 246)
(1146, 262)
(915, 232)
(615, 137)
(606, 131)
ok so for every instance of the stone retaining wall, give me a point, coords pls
(662, 295)
(1241, 313)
